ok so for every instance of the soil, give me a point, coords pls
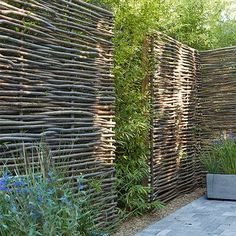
(135, 224)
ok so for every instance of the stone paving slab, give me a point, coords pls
(202, 217)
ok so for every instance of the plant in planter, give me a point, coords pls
(220, 163)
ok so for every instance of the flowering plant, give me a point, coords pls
(34, 205)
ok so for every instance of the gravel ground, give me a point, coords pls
(135, 224)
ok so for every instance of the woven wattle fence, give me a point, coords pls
(56, 87)
(174, 167)
(193, 104)
(218, 94)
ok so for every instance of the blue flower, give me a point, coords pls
(50, 177)
(4, 189)
(79, 183)
(13, 209)
(8, 183)
(4, 182)
(22, 190)
(4, 178)
(50, 191)
(35, 214)
(65, 200)
(18, 183)
(40, 199)
(81, 187)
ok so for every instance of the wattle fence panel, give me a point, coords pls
(218, 94)
(56, 89)
(193, 105)
(174, 166)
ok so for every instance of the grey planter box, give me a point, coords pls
(221, 186)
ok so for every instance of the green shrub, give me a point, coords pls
(32, 205)
(40, 202)
(220, 158)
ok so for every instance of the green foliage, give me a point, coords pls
(40, 207)
(43, 203)
(220, 158)
(189, 21)
(225, 32)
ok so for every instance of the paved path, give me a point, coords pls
(200, 218)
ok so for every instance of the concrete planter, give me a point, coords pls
(221, 186)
